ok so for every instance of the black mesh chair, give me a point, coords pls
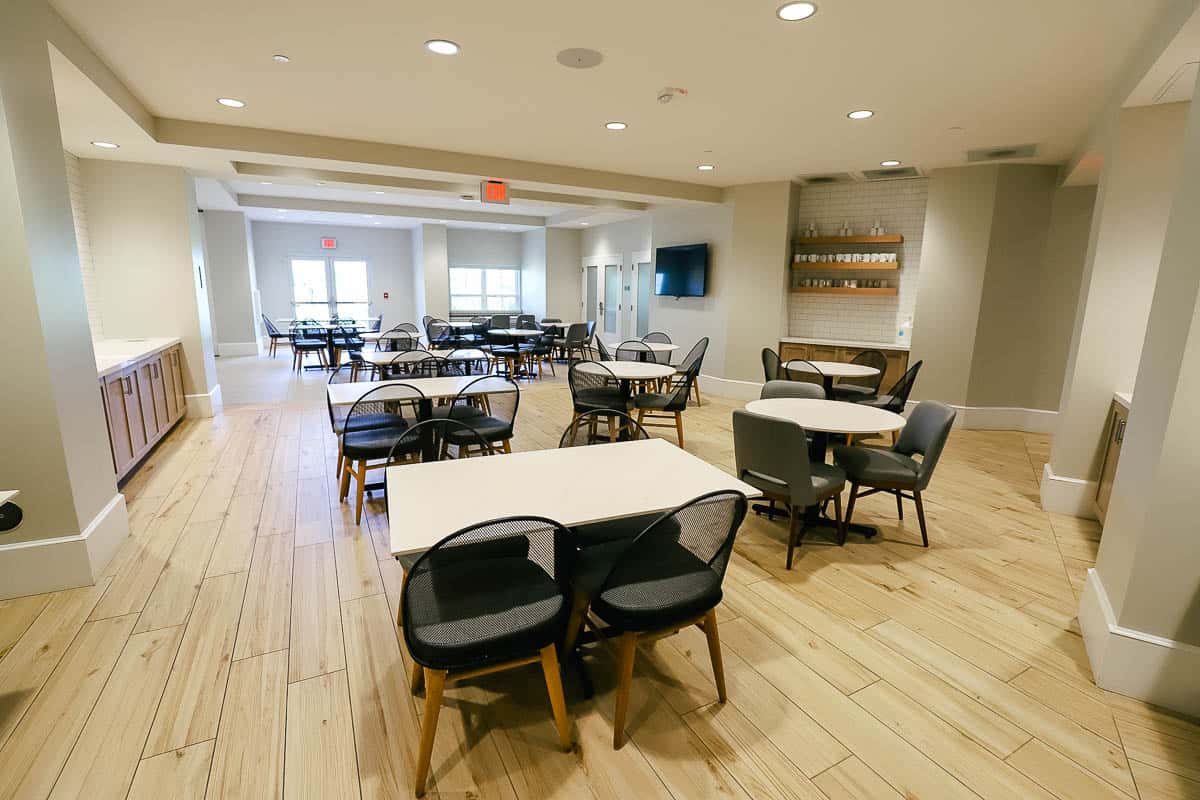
(858, 389)
(440, 334)
(479, 329)
(385, 406)
(418, 364)
(602, 350)
(765, 451)
(634, 350)
(524, 318)
(658, 337)
(498, 397)
(897, 397)
(665, 579)
(541, 351)
(425, 322)
(307, 338)
(594, 388)
(275, 334)
(465, 361)
(504, 348)
(804, 371)
(501, 321)
(895, 471)
(375, 325)
(771, 364)
(585, 428)
(347, 340)
(666, 405)
(515, 612)
(692, 362)
(574, 344)
(398, 339)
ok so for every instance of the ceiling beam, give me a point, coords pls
(302, 145)
(384, 210)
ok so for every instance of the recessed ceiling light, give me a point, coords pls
(585, 224)
(264, 183)
(379, 192)
(443, 47)
(616, 126)
(891, 162)
(320, 183)
(793, 12)
(107, 145)
(281, 210)
(706, 167)
(861, 114)
(280, 58)
(376, 223)
(231, 102)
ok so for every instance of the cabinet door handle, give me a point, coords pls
(128, 385)
(1121, 431)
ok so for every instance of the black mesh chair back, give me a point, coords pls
(440, 334)
(673, 571)
(925, 434)
(591, 329)
(378, 419)
(465, 361)
(400, 341)
(338, 414)
(527, 324)
(600, 426)
(695, 356)
(797, 389)
(425, 321)
(499, 397)
(594, 387)
(347, 338)
(501, 321)
(427, 441)
(602, 349)
(408, 326)
(897, 398)
(634, 350)
(658, 337)
(800, 370)
(272, 328)
(375, 325)
(868, 358)
(523, 318)
(549, 320)
(417, 364)
(771, 365)
(479, 329)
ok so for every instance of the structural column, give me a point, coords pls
(52, 427)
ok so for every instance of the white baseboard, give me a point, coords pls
(1000, 418)
(1073, 496)
(1134, 663)
(64, 562)
(205, 405)
(230, 349)
(725, 387)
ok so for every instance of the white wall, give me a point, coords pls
(476, 247)
(387, 251)
(231, 280)
(563, 257)
(533, 272)
(84, 242)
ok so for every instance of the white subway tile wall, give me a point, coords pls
(900, 207)
(84, 243)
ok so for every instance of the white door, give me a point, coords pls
(641, 282)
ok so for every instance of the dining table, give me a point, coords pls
(823, 418)
(327, 329)
(466, 356)
(830, 370)
(627, 373)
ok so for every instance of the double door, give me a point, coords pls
(616, 295)
(141, 403)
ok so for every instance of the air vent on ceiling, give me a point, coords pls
(892, 174)
(1002, 153)
(822, 180)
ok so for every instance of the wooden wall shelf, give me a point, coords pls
(880, 292)
(887, 238)
(833, 266)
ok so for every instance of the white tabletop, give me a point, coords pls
(425, 500)
(515, 332)
(834, 369)
(384, 357)
(375, 336)
(830, 416)
(628, 370)
(347, 394)
(654, 347)
(461, 324)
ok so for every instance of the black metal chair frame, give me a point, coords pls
(469, 397)
(694, 358)
(275, 334)
(376, 395)
(627, 430)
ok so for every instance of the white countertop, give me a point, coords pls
(1124, 398)
(844, 343)
(114, 355)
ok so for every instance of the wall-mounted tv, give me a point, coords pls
(681, 271)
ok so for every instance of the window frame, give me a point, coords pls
(484, 293)
(332, 300)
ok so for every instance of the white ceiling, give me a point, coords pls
(767, 98)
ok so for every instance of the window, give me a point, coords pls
(325, 288)
(475, 289)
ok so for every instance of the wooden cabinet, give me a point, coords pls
(1118, 417)
(141, 404)
(897, 359)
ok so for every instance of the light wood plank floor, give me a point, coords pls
(242, 645)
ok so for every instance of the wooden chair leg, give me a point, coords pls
(899, 505)
(362, 485)
(641, 416)
(679, 427)
(612, 429)
(793, 532)
(339, 460)
(921, 518)
(628, 651)
(696, 389)
(557, 702)
(417, 678)
(895, 437)
(850, 505)
(345, 487)
(714, 651)
(837, 514)
(435, 682)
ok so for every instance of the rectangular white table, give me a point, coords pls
(347, 394)
(574, 485)
(382, 358)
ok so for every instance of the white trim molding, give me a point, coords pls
(1135, 663)
(64, 562)
(1001, 418)
(205, 405)
(231, 349)
(1072, 496)
(725, 387)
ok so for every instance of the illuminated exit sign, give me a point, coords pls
(494, 192)
(329, 244)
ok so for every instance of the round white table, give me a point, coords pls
(627, 370)
(515, 332)
(831, 370)
(823, 417)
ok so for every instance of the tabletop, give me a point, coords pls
(830, 416)
(835, 369)
(515, 332)
(628, 370)
(384, 357)
(425, 500)
(375, 336)
(461, 324)
(654, 347)
(347, 394)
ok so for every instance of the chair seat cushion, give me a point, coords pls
(827, 479)
(308, 343)
(673, 587)
(594, 533)
(851, 391)
(513, 609)
(652, 400)
(882, 401)
(874, 465)
(490, 428)
(595, 399)
(459, 411)
(371, 443)
(593, 563)
(363, 422)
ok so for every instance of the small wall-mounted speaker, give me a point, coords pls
(10, 517)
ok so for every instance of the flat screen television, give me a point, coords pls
(681, 271)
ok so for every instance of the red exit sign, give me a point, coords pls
(329, 244)
(494, 192)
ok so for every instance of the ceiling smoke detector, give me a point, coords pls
(579, 58)
(669, 93)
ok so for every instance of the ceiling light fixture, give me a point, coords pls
(891, 162)
(280, 58)
(264, 183)
(794, 12)
(585, 224)
(443, 47)
(616, 126)
(379, 192)
(230, 102)
(706, 167)
(861, 114)
(107, 145)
